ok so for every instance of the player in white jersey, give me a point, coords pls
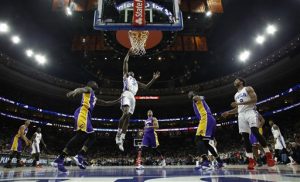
(35, 152)
(280, 146)
(130, 88)
(245, 107)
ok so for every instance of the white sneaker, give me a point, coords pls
(139, 167)
(118, 139)
(291, 163)
(121, 146)
(163, 163)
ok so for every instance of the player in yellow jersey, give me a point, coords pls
(16, 146)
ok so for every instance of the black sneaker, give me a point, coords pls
(7, 165)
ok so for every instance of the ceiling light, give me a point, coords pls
(4, 28)
(41, 59)
(271, 29)
(260, 39)
(15, 39)
(29, 52)
(244, 55)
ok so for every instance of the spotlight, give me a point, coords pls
(4, 28)
(159, 58)
(260, 39)
(271, 29)
(69, 11)
(15, 39)
(208, 13)
(40, 58)
(244, 55)
(189, 17)
(29, 52)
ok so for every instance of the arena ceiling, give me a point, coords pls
(227, 34)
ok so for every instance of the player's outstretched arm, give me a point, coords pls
(108, 103)
(79, 91)
(156, 75)
(125, 63)
(43, 142)
(230, 112)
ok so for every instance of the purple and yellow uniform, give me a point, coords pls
(82, 115)
(207, 123)
(253, 139)
(17, 141)
(150, 138)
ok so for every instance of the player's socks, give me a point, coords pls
(118, 136)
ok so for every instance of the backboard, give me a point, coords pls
(113, 15)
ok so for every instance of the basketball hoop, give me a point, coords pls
(138, 41)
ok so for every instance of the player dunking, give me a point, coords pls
(150, 140)
(35, 152)
(205, 131)
(130, 88)
(245, 106)
(16, 146)
(83, 125)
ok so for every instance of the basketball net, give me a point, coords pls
(138, 41)
(138, 38)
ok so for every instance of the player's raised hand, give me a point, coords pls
(156, 75)
(72, 93)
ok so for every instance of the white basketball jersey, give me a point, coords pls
(38, 138)
(279, 140)
(130, 84)
(242, 96)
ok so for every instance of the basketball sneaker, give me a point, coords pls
(163, 163)
(205, 165)
(60, 165)
(8, 165)
(121, 146)
(20, 164)
(79, 161)
(118, 139)
(139, 167)
(219, 165)
(251, 164)
(270, 161)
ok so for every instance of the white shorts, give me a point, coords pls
(247, 120)
(128, 100)
(35, 148)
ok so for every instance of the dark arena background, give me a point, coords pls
(49, 48)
